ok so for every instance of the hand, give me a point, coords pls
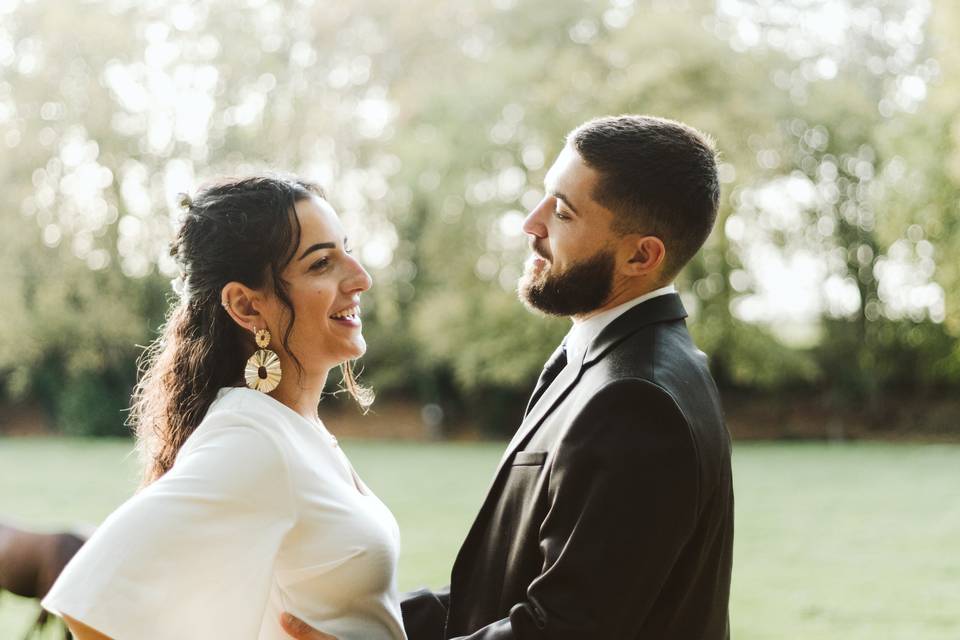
(297, 628)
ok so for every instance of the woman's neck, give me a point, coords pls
(303, 395)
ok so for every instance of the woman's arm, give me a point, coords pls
(220, 515)
(82, 631)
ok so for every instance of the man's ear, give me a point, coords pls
(641, 255)
(243, 305)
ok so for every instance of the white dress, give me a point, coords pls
(261, 513)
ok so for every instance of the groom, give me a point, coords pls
(611, 514)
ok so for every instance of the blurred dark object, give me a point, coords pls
(30, 563)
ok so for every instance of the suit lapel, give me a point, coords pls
(544, 401)
(543, 406)
(552, 396)
(557, 359)
(659, 309)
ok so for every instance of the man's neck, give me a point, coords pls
(585, 331)
(619, 297)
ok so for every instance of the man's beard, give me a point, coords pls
(581, 288)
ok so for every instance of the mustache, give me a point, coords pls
(538, 250)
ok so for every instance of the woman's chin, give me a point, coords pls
(358, 348)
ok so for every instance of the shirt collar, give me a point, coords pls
(582, 334)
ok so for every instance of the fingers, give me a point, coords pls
(300, 630)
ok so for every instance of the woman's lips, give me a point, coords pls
(349, 316)
(350, 321)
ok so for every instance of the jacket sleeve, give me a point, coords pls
(623, 499)
(425, 613)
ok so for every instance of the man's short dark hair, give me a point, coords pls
(657, 176)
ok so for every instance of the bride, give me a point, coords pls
(249, 508)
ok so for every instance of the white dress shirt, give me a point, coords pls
(583, 333)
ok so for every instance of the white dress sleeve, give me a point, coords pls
(190, 556)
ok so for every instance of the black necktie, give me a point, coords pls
(553, 367)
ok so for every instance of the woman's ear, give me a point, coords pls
(242, 304)
(641, 255)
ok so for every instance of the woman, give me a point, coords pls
(249, 507)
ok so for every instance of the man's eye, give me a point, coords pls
(561, 215)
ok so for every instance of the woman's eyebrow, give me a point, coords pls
(316, 247)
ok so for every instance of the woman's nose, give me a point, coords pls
(359, 280)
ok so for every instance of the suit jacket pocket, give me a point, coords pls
(529, 458)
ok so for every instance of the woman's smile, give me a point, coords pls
(349, 316)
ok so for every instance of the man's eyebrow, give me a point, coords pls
(316, 247)
(565, 200)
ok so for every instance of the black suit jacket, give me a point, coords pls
(611, 514)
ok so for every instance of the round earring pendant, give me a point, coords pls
(262, 372)
(262, 336)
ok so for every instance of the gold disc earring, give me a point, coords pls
(262, 372)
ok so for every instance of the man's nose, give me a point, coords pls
(534, 223)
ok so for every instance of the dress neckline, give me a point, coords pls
(357, 483)
(319, 426)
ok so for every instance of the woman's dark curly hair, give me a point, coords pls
(243, 230)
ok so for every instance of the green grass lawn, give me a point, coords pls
(833, 542)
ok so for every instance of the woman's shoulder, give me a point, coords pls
(244, 400)
(240, 410)
(241, 447)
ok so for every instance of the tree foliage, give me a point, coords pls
(431, 125)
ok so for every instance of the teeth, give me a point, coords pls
(352, 312)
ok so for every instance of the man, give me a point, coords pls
(611, 514)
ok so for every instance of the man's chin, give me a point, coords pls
(536, 271)
(579, 289)
(530, 293)
(529, 280)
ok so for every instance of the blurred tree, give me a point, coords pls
(932, 140)
(432, 124)
(843, 196)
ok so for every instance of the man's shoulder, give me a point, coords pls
(623, 427)
(629, 401)
(658, 369)
(657, 353)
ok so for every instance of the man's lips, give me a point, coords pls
(537, 254)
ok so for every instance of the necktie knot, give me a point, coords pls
(555, 363)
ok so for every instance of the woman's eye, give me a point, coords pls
(319, 264)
